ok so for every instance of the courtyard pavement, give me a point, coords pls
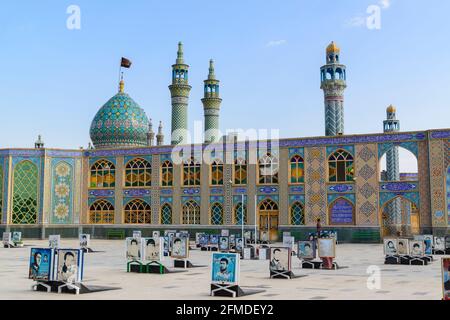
(108, 268)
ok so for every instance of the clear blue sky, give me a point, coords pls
(268, 55)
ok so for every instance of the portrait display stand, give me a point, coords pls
(231, 291)
(418, 261)
(71, 288)
(391, 259)
(329, 265)
(282, 275)
(438, 252)
(310, 264)
(156, 267)
(88, 250)
(135, 266)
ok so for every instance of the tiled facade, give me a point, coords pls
(65, 193)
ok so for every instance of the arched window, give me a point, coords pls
(167, 174)
(297, 170)
(240, 172)
(25, 193)
(268, 205)
(297, 214)
(101, 212)
(138, 212)
(341, 212)
(216, 214)
(191, 173)
(166, 214)
(191, 212)
(138, 173)
(268, 169)
(340, 166)
(103, 174)
(240, 209)
(217, 173)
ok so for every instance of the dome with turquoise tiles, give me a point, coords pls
(121, 122)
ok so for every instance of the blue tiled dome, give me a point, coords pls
(121, 122)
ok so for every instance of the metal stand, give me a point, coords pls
(70, 286)
(418, 261)
(308, 264)
(281, 275)
(334, 266)
(226, 290)
(439, 252)
(38, 284)
(390, 259)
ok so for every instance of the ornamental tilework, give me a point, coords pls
(119, 123)
(296, 198)
(5, 190)
(410, 146)
(272, 197)
(296, 151)
(349, 196)
(437, 183)
(448, 194)
(129, 158)
(94, 160)
(25, 193)
(386, 197)
(366, 184)
(315, 188)
(62, 191)
(349, 149)
(214, 199)
(424, 185)
(1, 188)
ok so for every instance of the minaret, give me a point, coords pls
(211, 106)
(150, 135)
(333, 84)
(179, 91)
(391, 124)
(160, 135)
(39, 144)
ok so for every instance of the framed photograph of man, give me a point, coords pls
(225, 268)
(214, 239)
(439, 243)
(70, 265)
(288, 242)
(137, 234)
(446, 278)
(232, 240)
(280, 259)
(224, 243)
(390, 247)
(403, 247)
(7, 238)
(326, 248)
(204, 240)
(428, 240)
(133, 249)
(306, 250)
(239, 246)
(166, 245)
(180, 247)
(197, 237)
(17, 237)
(85, 240)
(54, 241)
(156, 234)
(417, 248)
(41, 264)
(151, 249)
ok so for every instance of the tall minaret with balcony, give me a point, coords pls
(211, 106)
(150, 135)
(160, 135)
(333, 84)
(391, 124)
(179, 90)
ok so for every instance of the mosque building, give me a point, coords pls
(128, 181)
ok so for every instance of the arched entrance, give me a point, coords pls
(268, 218)
(407, 223)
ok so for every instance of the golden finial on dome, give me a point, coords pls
(333, 48)
(121, 86)
(391, 109)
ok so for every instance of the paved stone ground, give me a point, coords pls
(108, 268)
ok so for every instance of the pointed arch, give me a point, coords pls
(217, 214)
(239, 209)
(296, 170)
(217, 173)
(341, 212)
(340, 166)
(101, 212)
(138, 173)
(297, 214)
(138, 211)
(103, 174)
(166, 214)
(191, 212)
(240, 172)
(167, 174)
(191, 172)
(268, 167)
(25, 193)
